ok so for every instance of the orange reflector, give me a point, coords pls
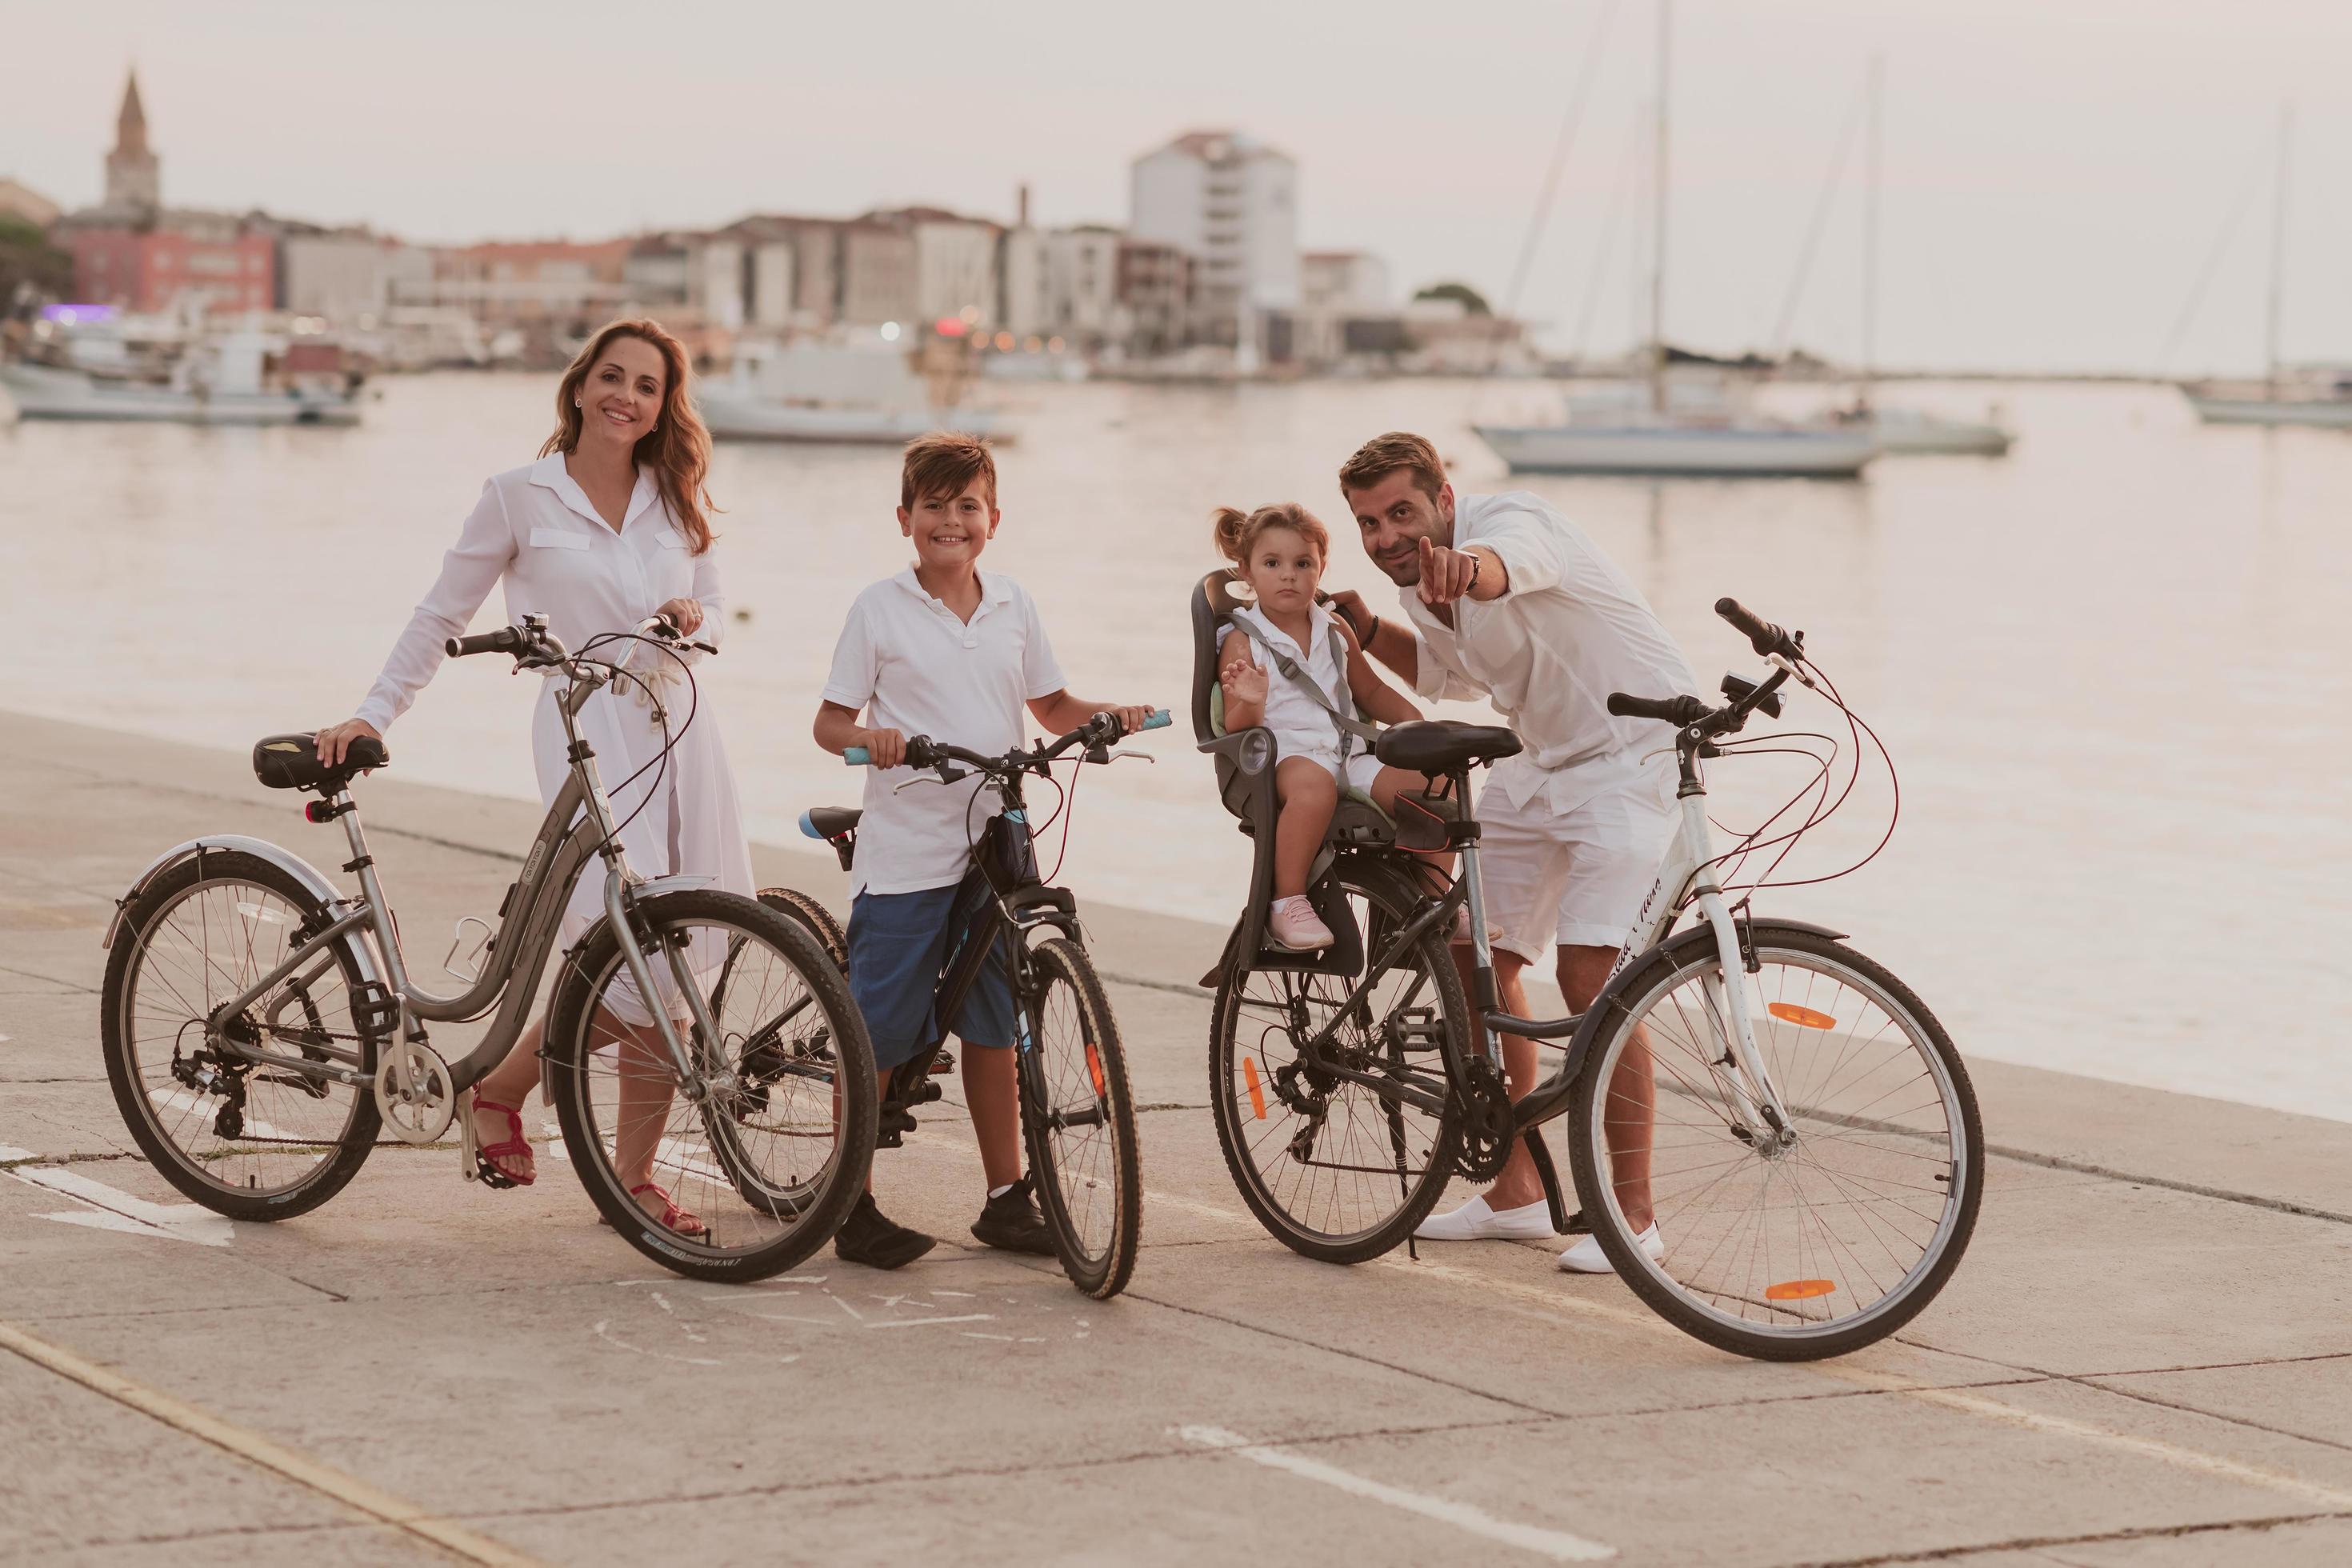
(1790, 1013)
(1093, 1069)
(1799, 1289)
(1257, 1095)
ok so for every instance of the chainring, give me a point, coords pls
(1485, 1103)
(413, 1093)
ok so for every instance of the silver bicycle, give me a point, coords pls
(261, 1026)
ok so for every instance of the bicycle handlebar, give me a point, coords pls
(922, 751)
(506, 639)
(1762, 635)
(1676, 710)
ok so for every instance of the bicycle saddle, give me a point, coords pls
(831, 821)
(1441, 745)
(291, 762)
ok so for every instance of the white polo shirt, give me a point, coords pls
(1570, 630)
(910, 665)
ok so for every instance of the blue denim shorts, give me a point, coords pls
(898, 948)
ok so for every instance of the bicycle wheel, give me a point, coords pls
(768, 1176)
(1334, 1168)
(1080, 1122)
(796, 905)
(251, 1142)
(1784, 1249)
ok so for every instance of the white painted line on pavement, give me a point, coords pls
(919, 1322)
(1557, 1544)
(347, 1490)
(122, 1212)
(2172, 1454)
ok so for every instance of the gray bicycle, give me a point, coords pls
(261, 1029)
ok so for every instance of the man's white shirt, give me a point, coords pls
(1570, 629)
(906, 661)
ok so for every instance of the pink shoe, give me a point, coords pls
(1295, 924)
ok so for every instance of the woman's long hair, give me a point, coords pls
(677, 448)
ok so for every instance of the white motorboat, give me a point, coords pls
(2315, 399)
(1748, 448)
(241, 378)
(836, 393)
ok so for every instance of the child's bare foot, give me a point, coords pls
(1297, 926)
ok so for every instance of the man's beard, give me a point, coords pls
(1406, 572)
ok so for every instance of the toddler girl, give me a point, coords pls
(1279, 553)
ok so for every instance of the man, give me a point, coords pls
(1504, 598)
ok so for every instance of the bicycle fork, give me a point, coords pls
(1746, 1083)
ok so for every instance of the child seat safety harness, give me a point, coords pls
(1341, 708)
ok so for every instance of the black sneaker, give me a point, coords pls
(870, 1237)
(1011, 1222)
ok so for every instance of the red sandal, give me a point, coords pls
(515, 1146)
(673, 1218)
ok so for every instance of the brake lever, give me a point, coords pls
(1782, 662)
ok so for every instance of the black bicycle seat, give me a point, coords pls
(1441, 745)
(832, 821)
(291, 762)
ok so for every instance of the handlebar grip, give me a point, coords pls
(857, 757)
(502, 640)
(1762, 635)
(1158, 719)
(1675, 710)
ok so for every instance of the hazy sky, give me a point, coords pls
(2056, 171)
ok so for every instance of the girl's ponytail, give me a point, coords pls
(1229, 527)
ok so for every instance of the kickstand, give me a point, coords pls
(1413, 1248)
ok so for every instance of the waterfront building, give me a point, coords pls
(1082, 303)
(350, 276)
(877, 277)
(132, 251)
(1155, 294)
(22, 202)
(1231, 203)
(547, 294)
(1344, 307)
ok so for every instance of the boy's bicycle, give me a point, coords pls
(1793, 1115)
(1077, 1116)
(260, 1026)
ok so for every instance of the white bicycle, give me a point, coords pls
(1787, 1114)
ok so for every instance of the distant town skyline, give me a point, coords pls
(2056, 176)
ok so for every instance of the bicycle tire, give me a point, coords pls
(1100, 1270)
(177, 1166)
(1656, 977)
(857, 1097)
(796, 905)
(1234, 1078)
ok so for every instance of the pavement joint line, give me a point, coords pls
(359, 1497)
(2034, 1542)
(1558, 1545)
(2177, 1456)
(51, 979)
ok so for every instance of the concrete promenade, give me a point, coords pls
(2147, 1356)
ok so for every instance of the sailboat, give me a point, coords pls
(1664, 439)
(2308, 396)
(1897, 428)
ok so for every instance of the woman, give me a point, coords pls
(609, 527)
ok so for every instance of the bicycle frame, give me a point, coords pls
(578, 826)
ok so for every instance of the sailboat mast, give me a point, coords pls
(1876, 91)
(1658, 223)
(2278, 247)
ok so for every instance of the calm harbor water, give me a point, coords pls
(2111, 667)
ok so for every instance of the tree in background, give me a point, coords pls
(1471, 300)
(32, 271)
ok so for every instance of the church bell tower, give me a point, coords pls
(134, 179)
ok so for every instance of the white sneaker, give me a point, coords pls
(1294, 923)
(1585, 1256)
(1477, 1221)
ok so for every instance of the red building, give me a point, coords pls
(208, 262)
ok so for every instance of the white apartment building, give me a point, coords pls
(349, 279)
(1231, 203)
(955, 266)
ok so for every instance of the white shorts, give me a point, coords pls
(1361, 770)
(1572, 879)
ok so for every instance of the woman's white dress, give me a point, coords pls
(535, 528)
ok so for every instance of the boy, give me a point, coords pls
(950, 652)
